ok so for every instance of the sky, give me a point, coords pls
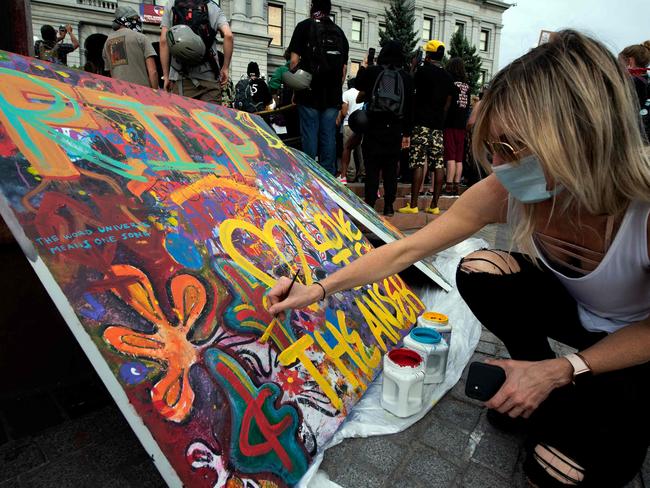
(616, 24)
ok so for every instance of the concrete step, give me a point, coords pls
(402, 189)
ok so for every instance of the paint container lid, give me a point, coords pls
(437, 317)
(425, 336)
(403, 357)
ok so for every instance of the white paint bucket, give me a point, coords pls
(437, 321)
(403, 382)
(430, 344)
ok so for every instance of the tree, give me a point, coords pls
(460, 47)
(400, 22)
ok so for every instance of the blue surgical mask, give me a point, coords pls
(525, 180)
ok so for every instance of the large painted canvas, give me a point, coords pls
(157, 224)
(361, 212)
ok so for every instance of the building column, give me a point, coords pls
(447, 28)
(257, 10)
(373, 30)
(238, 9)
(474, 34)
(496, 46)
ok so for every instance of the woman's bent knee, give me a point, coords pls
(489, 261)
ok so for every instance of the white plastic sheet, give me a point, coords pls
(368, 418)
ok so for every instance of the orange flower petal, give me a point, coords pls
(189, 297)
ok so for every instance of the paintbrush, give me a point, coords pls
(269, 328)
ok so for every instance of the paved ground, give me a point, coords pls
(72, 435)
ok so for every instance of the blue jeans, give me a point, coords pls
(318, 133)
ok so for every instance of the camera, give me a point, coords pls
(62, 28)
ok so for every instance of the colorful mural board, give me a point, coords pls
(157, 224)
(361, 212)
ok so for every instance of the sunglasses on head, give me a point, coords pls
(503, 150)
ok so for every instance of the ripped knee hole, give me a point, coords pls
(491, 262)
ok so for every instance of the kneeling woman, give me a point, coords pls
(572, 177)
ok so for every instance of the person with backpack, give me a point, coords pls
(188, 49)
(251, 93)
(434, 89)
(455, 126)
(51, 47)
(128, 53)
(319, 47)
(387, 91)
(636, 59)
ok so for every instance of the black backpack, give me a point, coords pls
(244, 97)
(195, 14)
(327, 43)
(388, 93)
(46, 51)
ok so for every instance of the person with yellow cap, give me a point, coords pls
(434, 89)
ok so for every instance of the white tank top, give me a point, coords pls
(617, 292)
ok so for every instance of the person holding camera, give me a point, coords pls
(576, 194)
(51, 47)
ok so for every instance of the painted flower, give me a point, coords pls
(290, 381)
(172, 395)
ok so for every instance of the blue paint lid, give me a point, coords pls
(425, 335)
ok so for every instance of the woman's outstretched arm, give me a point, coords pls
(482, 204)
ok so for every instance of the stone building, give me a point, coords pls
(263, 28)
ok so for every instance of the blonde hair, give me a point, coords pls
(570, 103)
(639, 52)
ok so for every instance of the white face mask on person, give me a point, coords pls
(525, 180)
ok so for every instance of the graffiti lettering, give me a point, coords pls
(39, 116)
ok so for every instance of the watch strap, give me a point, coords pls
(580, 366)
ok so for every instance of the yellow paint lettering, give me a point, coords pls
(376, 326)
(338, 351)
(406, 300)
(297, 352)
(354, 338)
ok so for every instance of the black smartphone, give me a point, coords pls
(371, 56)
(484, 380)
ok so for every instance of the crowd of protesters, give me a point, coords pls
(420, 117)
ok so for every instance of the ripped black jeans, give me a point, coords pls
(603, 423)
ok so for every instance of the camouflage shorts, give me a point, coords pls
(426, 145)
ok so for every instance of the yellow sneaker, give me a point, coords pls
(408, 209)
(434, 211)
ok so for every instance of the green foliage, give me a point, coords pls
(460, 47)
(400, 26)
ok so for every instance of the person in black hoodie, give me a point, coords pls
(319, 47)
(387, 132)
